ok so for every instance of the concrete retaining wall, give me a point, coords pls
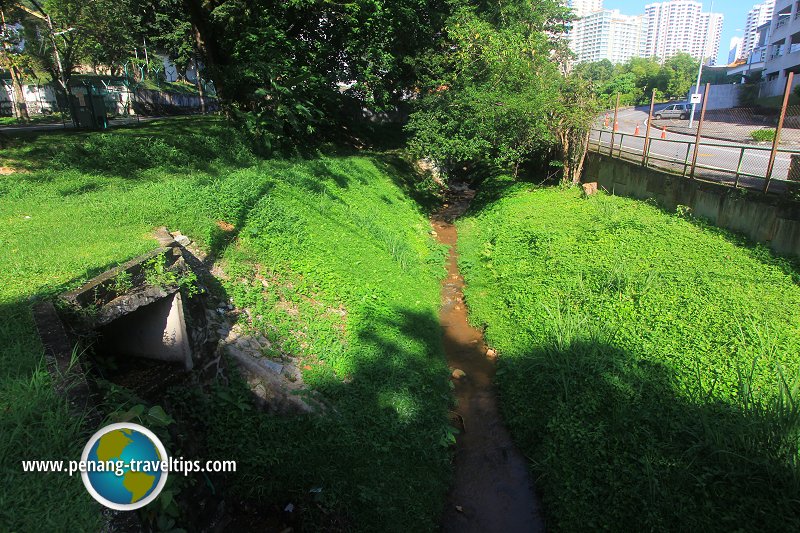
(720, 96)
(765, 218)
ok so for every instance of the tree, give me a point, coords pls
(599, 72)
(488, 89)
(570, 120)
(496, 92)
(279, 66)
(12, 60)
(59, 31)
(679, 73)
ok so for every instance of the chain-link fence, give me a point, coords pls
(754, 146)
(96, 101)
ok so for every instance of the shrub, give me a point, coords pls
(763, 135)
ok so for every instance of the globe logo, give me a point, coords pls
(124, 466)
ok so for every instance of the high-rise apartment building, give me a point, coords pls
(756, 17)
(783, 50)
(735, 50)
(585, 7)
(608, 35)
(681, 26)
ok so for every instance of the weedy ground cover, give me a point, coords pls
(648, 362)
(333, 260)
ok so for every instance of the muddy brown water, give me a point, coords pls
(492, 489)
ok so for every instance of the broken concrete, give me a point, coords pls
(164, 325)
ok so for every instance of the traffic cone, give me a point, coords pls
(664, 133)
(616, 126)
(605, 122)
(636, 133)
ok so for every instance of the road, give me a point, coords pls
(723, 157)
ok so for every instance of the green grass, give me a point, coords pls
(171, 86)
(648, 363)
(332, 258)
(54, 118)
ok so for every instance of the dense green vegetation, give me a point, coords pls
(336, 265)
(495, 93)
(648, 362)
(766, 135)
(636, 79)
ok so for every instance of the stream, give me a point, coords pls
(492, 490)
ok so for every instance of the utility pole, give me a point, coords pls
(702, 58)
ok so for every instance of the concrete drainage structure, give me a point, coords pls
(156, 318)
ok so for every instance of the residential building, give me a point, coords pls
(783, 51)
(681, 26)
(608, 35)
(756, 18)
(585, 7)
(735, 50)
(755, 62)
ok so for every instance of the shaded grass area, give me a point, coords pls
(331, 258)
(54, 118)
(648, 363)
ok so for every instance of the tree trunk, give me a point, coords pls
(18, 94)
(584, 148)
(199, 85)
(206, 43)
(566, 176)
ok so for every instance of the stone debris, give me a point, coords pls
(459, 374)
(590, 189)
(491, 354)
(277, 382)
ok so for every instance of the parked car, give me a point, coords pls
(679, 111)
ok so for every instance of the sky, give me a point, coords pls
(735, 12)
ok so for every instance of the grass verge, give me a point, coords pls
(648, 362)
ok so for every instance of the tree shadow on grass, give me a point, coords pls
(616, 448)
(376, 459)
(423, 190)
(127, 151)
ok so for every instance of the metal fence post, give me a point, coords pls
(686, 159)
(614, 127)
(777, 140)
(646, 150)
(699, 130)
(739, 169)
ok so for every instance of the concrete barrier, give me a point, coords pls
(764, 218)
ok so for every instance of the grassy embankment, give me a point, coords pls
(352, 289)
(648, 363)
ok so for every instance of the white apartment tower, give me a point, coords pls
(681, 26)
(756, 17)
(608, 35)
(585, 7)
(735, 50)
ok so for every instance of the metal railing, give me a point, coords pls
(725, 156)
(734, 165)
